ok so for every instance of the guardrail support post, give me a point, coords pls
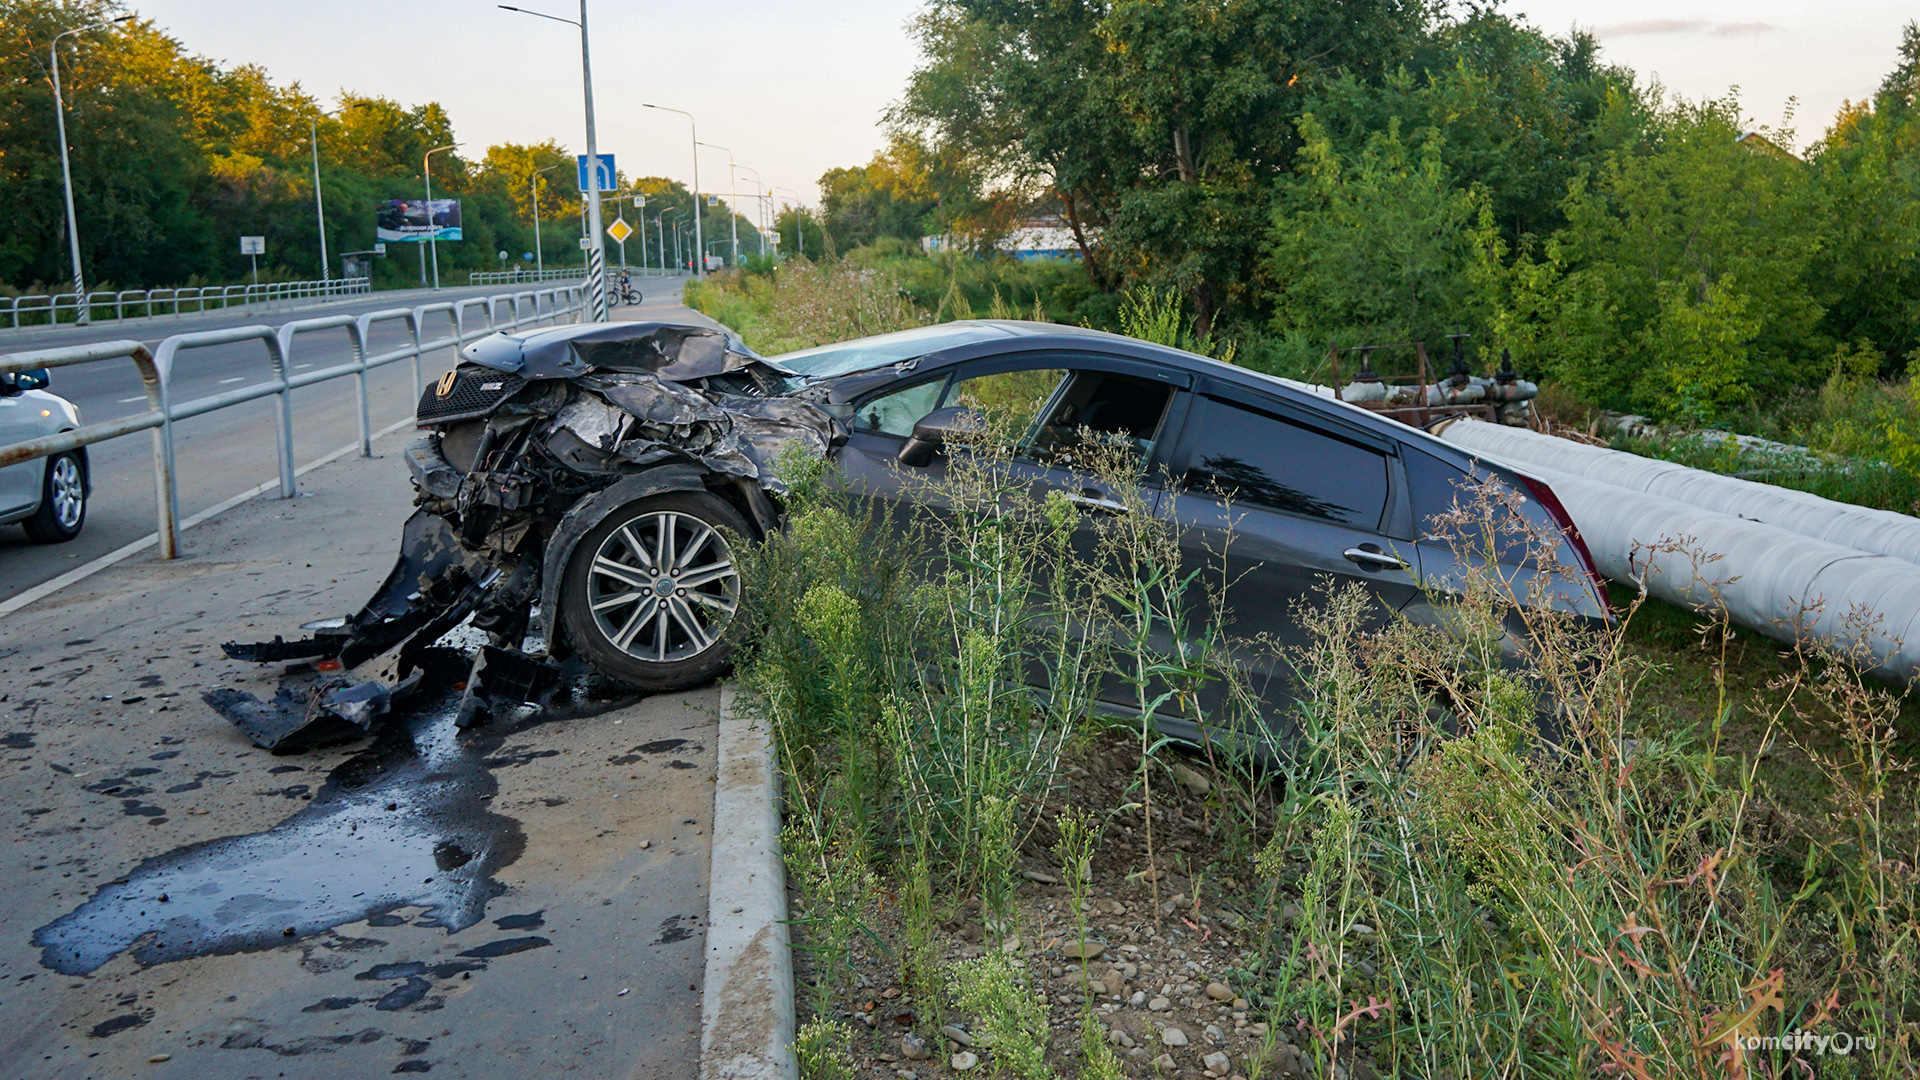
(284, 414)
(166, 491)
(360, 385)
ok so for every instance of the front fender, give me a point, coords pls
(590, 511)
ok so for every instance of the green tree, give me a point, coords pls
(1372, 250)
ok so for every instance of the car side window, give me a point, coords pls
(1262, 459)
(1105, 407)
(895, 413)
(1012, 400)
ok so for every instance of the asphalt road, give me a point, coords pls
(527, 897)
(223, 453)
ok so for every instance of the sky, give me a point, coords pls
(805, 82)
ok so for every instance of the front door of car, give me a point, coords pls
(20, 420)
(1276, 506)
(1051, 408)
(1046, 405)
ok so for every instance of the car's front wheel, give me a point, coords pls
(63, 501)
(650, 591)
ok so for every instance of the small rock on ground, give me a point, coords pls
(964, 1060)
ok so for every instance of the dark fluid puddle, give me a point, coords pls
(402, 823)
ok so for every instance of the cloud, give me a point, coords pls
(1682, 26)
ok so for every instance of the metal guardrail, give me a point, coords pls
(46, 310)
(524, 309)
(570, 273)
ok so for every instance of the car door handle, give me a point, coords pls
(1374, 560)
(1095, 501)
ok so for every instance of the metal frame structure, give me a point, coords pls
(528, 309)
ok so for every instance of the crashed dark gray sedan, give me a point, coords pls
(582, 487)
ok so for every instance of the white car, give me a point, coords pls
(46, 495)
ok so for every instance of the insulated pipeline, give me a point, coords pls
(1877, 532)
(1766, 563)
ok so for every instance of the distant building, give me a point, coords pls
(1045, 236)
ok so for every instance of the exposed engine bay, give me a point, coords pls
(578, 490)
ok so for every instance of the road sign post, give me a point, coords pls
(253, 247)
(603, 174)
(620, 230)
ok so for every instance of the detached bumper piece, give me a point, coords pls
(308, 709)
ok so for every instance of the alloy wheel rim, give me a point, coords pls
(663, 587)
(69, 495)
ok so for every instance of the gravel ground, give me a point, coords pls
(1163, 988)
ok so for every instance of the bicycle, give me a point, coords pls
(626, 294)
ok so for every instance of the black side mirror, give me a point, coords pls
(37, 379)
(933, 430)
(9, 387)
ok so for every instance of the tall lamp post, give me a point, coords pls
(759, 205)
(733, 202)
(539, 253)
(799, 237)
(319, 205)
(433, 231)
(596, 240)
(700, 270)
(82, 312)
(678, 262)
(660, 235)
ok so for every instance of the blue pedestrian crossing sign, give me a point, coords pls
(604, 172)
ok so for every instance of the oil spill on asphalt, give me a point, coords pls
(404, 822)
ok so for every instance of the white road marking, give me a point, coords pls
(126, 400)
(236, 378)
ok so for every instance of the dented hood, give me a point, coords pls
(669, 351)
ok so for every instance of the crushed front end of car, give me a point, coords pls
(580, 493)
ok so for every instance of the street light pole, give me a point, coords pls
(433, 231)
(83, 314)
(539, 253)
(596, 243)
(698, 271)
(319, 205)
(762, 186)
(733, 203)
(799, 237)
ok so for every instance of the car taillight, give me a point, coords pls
(1564, 520)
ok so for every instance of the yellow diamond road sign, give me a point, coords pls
(619, 230)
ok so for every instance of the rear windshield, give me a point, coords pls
(865, 354)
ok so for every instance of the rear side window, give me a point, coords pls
(1438, 487)
(1260, 459)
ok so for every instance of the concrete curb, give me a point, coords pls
(746, 1009)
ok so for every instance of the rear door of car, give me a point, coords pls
(1277, 503)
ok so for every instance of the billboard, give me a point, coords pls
(417, 219)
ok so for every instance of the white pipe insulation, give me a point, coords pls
(1877, 532)
(1770, 577)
